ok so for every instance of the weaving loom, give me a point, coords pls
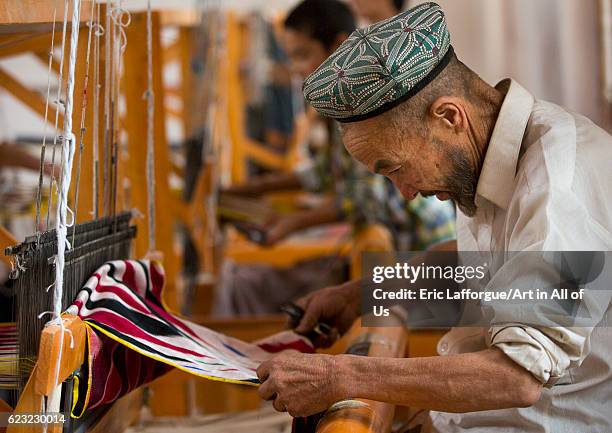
(51, 266)
(94, 242)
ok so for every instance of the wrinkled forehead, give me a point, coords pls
(368, 140)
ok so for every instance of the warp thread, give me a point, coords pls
(83, 129)
(150, 97)
(61, 225)
(58, 101)
(44, 142)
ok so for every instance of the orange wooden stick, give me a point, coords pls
(6, 240)
(364, 416)
(72, 353)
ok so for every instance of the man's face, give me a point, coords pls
(305, 53)
(435, 164)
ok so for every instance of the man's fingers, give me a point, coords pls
(304, 301)
(279, 406)
(293, 322)
(266, 391)
(263, 371)
(312, 313)
(273, 236)
(308, 322)
(325, 341)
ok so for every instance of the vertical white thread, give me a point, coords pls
(58, 97)
(44, 142)
(150, 131)
(96, 114)
(82, 128)
(61, 225)
(107, 98)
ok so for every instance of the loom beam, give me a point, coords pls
(15, 14)
(6, 240)
(387, 342)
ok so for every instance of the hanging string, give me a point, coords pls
(96, 115)
(116, 17)
(58, 102)
(68, 147)
(107, 111)
(44, 142)
(83, 129)
(113, 107)
(121, 19)
(150, 97)
(61, 225)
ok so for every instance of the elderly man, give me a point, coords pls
(525, 175)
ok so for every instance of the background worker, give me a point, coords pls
(313, 30)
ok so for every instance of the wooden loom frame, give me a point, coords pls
(25, 27)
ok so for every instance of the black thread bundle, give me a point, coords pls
(95, 242)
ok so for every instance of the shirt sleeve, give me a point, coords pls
(547, 347)
(361, 199)
(314, 173)
(433, 221)
(307, 175)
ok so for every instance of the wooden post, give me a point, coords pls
(20, 12)
(22, 42)
(234, 97)
(189, 113)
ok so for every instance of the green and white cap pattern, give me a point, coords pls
(381, 65)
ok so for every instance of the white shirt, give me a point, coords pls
(545, 185)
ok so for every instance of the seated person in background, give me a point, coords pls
(313, 30)
(372, 11)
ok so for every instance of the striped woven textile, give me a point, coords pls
(8, 356)
(132, 338)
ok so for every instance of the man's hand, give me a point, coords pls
(301, 384)
(265, 184)
(338, 306)
(243, 190)
(280, 227)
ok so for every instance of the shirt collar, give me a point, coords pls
(496, 180)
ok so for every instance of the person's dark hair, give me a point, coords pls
(399, 5)
(322, 20)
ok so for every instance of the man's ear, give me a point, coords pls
(338, 41)
(450, 111)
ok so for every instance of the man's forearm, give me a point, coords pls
(13, 156)
(444, 246)
(315, 217)
(268, 183)
(468, 382)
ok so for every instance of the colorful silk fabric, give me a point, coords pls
(132, 339)
(8, 356)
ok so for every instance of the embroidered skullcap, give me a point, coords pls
(381, 65)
